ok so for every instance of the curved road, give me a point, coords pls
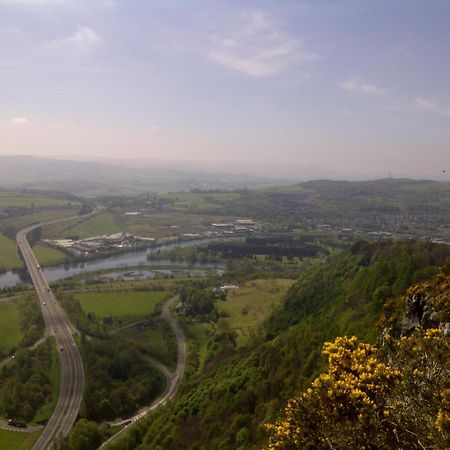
(173, 379)
(70, 363)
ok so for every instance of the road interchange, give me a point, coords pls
(72, 379)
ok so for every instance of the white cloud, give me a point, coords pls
(19, 121)
(426, 103)
(257, 47)
(356, 85)
(11, 32)
(431, 104)
(83, 38)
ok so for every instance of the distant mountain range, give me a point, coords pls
(99, 177)
(115, 177)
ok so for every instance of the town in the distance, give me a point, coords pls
(148, 293)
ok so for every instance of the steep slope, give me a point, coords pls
(226, 407)
(393, 396)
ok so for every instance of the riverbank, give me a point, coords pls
(137, 258)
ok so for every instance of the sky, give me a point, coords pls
(361, 86)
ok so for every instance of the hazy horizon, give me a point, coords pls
(353, 88)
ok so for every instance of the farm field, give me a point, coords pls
(47, 255)
(15, 440)
(157, 225)
(26, 200)
(54, 230)
(200, 201)
(93, 283)
(9, 254)
(124, 305)
(40, 216)
(10, 334)
(248, 306)
(102, 223)
(162, 225)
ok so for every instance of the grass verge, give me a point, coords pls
(15, 440)
(10, 334)
(44, 414)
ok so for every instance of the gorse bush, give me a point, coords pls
(397, 396)
(343, 407)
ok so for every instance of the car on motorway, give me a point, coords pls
(44, 303)
(17, 423)
(39, 267)
(62, 348)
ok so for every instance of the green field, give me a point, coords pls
(47, 255)
(102, 223)
(89, 282)
(162, 224)
(25, 200)
(54, 230)
(124, 305)
(15, 440)
(200, 201)
(156, 225)
(10, 334)
(9, 256)
(40, 216)
(248, 306)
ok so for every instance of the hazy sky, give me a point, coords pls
(357, 84)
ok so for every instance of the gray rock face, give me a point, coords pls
(419, 312)
(446, 328)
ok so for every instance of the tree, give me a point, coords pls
(85, 435)
(362, 402)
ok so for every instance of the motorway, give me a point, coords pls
(172, 379)
(71, 369)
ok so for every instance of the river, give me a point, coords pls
(118, 261)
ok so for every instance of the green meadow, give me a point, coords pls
(10, 334)
(25, 200)
(124, 305)
(102, 223)
(39, 216)
(200, 201)
(48, 255)
(15, 440)
(9, 254)
(157, 225)
(248, 306)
